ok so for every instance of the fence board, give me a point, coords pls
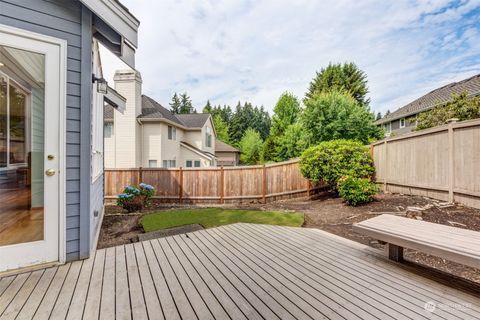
(441, 163)
(215, 185)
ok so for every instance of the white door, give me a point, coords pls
(32, 99)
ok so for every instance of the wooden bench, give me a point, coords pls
(450, 243)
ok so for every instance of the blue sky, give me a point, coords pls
(227, 51)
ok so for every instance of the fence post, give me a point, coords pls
(451, 157)
(385, 167)
(140, 175)
(180, 185)
(264, 184)
(222, 185)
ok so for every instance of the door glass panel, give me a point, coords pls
(22, 133)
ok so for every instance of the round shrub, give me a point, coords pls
(331, 160)
(356, 191)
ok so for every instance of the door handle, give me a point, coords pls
(50, 172)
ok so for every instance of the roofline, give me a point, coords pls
(385, 120)
(153, 120)
(201, 153)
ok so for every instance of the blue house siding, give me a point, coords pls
(63, 19)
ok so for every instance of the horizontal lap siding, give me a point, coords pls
(60, 19)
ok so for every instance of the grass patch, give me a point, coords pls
(213, 217)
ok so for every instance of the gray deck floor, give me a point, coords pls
(240, 271)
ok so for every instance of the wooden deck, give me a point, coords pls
(240, 271)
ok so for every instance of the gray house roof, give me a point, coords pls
(152, 110)
(193, 120)
(221, 146)
(438, 96)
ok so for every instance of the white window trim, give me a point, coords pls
(404, 122)
(97, 120)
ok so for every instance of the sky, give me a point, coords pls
(227, 51)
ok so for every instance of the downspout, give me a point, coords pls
(141, 142)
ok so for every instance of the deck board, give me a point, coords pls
(240, 271)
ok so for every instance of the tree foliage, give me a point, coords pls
(181, 104)
(175, 104)
(247, 116)
(221, 128)
(340, 77)
(336, 115)
(292, 143)
(269, 152)
(461, 107)
(285, 113)
(251, 147)
(186, 105)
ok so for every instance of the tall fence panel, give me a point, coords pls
(216, 185)
(442, 163)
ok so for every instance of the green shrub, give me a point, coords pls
(356, 191)
(135, 198)
(331, 160)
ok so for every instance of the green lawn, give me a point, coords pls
(213, 217)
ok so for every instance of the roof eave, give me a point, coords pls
(118, 18)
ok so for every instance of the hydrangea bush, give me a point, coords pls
(135, 198)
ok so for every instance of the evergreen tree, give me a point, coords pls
(208, 108)
(175, 104)
(379, 116)
(269, 149)
(185, 104)
(340, 77)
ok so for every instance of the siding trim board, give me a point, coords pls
(85, 127)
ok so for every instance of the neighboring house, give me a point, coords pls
(51, 124)
(150, 136)
(403, 120)
(226, 154)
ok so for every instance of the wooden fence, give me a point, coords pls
(441, 163)
(217, 184)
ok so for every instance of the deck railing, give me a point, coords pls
(261, 183)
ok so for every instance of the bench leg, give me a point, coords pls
(395, 252)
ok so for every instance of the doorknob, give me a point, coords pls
(50, 172)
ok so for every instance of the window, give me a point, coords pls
(197, 164)
(402, 123)
(108, 130)
(387, 127)
(169, 163)
(14, 120)
(98, 122)
(172, 133)
(208, 137)
(152, 163)
(188, 164)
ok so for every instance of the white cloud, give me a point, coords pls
(230, 50)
